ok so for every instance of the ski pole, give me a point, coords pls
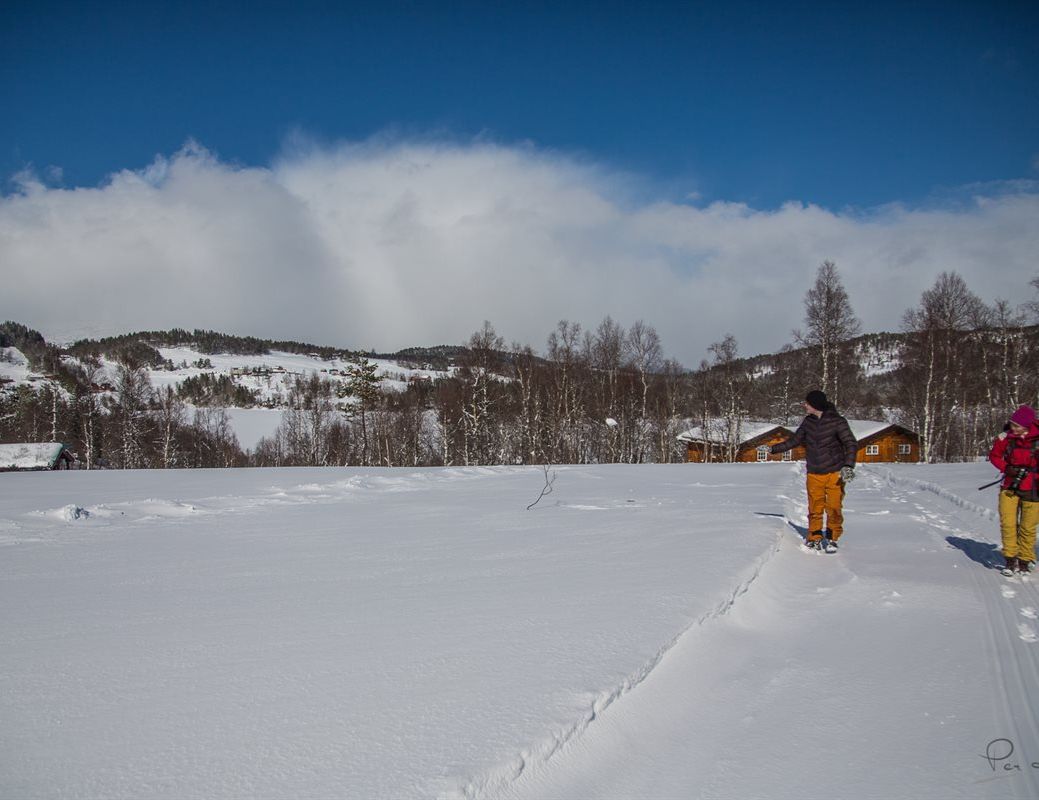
(997, 480)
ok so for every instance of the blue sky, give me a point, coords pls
(837, 104)
(391, 174)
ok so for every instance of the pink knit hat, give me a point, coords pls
(1024, 416)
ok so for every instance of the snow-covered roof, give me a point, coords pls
(865, 428)
(41, 455)
(749, 430)
(861, 429)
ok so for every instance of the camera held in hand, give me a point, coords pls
(1019, 475)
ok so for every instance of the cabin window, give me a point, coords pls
(905, 449)
(788, 455)
(763, 453)
(873, 450)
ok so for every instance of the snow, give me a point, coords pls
(270, 377)
(29, 456)
(752, 429)
(749, 429)
(645, 631)
(252, 424)
(862, 429)
(875, 359)
(14, 366)
(283, 368)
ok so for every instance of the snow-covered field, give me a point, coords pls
(642, 632)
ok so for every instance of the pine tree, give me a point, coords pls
(363, 383)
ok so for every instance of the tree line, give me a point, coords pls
(605, 394)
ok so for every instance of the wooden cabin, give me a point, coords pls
(884, 442)
(35, 457)
(878, 442)
(755, 440)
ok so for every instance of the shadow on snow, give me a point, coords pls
(984, 553)
(800, 529)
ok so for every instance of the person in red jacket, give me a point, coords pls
(1015, 453)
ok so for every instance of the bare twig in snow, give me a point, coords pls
(549, 480)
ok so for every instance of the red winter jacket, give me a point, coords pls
(1010, 452)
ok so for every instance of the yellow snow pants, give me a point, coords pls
(1017, 521)
(825, 497)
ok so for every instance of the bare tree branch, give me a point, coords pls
(549, 481)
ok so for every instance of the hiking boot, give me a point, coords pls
(1025, 566)
(1011, 566)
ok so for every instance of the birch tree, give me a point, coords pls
(829, 323)
(171, 416)
(644, 357)
(934, 359)
(605, 350)
(531, 421)
(566, 404)
(89, 408)
(479, 395)
(131, 398)
(731, 385)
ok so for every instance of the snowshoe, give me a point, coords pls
(830, 546)
(1010, 569)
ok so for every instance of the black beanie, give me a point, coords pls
(817, 400)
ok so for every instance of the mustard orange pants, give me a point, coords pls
(825, 498)
(1017, 521)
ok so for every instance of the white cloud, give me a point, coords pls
(391, 244)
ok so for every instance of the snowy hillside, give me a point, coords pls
(270, 375)
(14, 367)
(642, 632)
(268, 378)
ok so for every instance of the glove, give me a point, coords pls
(847, 474)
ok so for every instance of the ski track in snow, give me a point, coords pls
(939, 519)
(539, 755)
(113, 508)
(1016, 673)
(116, 516)
(951, 522)
(1016, 670)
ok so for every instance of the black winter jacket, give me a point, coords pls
(828, 441)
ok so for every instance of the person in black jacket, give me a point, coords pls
(830, 447)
